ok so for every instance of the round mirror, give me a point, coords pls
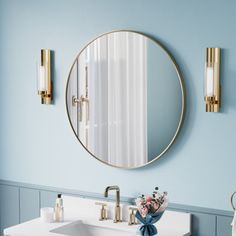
(125, 99)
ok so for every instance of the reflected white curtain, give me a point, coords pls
(117, 81)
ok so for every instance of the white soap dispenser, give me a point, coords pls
(59, 209)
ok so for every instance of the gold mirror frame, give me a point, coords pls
(183, 97)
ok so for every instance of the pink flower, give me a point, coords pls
(156, 206)
(148, 198)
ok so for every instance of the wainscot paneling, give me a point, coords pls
(224, 225)
(203, 224)
(9, 206)
(29, 204)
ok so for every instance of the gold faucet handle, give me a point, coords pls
(132, 219)
(103, 210)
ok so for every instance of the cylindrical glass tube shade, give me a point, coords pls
(41, 79)
(209, 81)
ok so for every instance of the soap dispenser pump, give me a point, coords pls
(59, 209)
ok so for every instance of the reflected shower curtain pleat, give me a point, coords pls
(117, 77)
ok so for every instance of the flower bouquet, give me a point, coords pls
(150, 210)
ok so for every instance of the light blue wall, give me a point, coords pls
(37, 144)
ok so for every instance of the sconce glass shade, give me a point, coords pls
(212, 80)
(44, 82)
(41, 79)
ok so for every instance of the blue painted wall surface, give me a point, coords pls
(37, 144)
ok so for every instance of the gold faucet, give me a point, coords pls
(117, 207)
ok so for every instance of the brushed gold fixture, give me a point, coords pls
(132, 219)
(117, 217)
(103, 211)
(232, 201)
(44, 77)
(212, 80)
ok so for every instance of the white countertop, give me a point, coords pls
(38, 228)
(172, 223)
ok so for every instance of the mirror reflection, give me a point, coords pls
(125, 99)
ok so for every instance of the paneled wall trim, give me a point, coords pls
(20, 202)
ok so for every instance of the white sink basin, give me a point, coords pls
(82, 229)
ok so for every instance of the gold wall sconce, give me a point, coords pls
(44, 77)
(212, 80)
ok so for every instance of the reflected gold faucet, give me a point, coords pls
(117, 207)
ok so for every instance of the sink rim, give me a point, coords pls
(90, 223)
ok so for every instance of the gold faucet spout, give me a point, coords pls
(117, 208)
(115, 187)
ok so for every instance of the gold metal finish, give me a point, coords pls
(183, 98)
(46, 96)
(132, 219)
(103, 211)
(232, 200)
(213, 103)
(117, 217)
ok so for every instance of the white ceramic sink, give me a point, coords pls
(82, 229)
